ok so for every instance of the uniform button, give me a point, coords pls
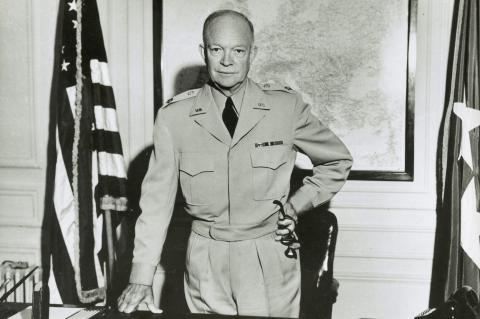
(261, 104)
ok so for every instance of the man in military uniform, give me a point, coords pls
(232, 146)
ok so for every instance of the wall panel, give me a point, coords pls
(18, 111)
(26, 34)
(20, 206)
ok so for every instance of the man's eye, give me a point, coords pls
(215, 51)
(240, 52)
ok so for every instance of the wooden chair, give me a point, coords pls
(317, 231)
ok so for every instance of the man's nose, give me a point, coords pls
(226, 59)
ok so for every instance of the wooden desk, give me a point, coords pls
(9, 309)
(148, 315)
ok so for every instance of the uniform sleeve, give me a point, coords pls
(330, 158)
(157, 200)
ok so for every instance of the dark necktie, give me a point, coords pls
(229, 116)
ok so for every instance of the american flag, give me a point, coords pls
(86, 170)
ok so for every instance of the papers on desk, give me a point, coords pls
(59, 313)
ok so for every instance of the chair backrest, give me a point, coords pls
(317, 231)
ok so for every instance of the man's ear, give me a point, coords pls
(253, 53)
(202, 52)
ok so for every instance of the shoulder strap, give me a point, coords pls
(182, 96)
(273, 86)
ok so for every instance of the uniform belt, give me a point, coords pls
(236, 232)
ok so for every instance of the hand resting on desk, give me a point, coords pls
(135, 295)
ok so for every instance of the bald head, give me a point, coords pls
(228, 49)
(235, 16)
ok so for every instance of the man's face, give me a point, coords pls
(228, 52)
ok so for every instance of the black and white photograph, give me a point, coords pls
(175, 159)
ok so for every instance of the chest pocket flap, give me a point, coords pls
(269, 158)
(196, 163)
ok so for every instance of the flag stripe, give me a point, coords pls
(111, 184)
(99, 72)
(103, 95)
(55, 297)
(71, 91)
(65, 134)
(62, 267)
(63, 201)
(470, 224)
(109, 142)
(105, 119)
(111, 165)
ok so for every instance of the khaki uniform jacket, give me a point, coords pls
(229, 183)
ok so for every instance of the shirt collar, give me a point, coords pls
(237, 98)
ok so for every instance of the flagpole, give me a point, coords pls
(109, 302)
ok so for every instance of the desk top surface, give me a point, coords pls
(8, 309)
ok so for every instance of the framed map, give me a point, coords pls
(353, 61)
